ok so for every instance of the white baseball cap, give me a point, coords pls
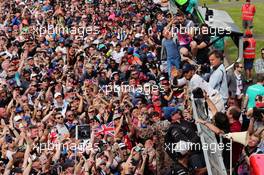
(57, 94)
(18, 117)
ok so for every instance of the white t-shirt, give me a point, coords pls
(197, 81)
(239, 84)
(9, 154)
(259, 66)
(117, 56)
(63, 132)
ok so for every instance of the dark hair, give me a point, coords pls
(180, 13)
(262, 49)
(204, 25)
(236, 65)
(235, 113)
(33, 127)
(221, 121)
(260, 78)
(217, 54)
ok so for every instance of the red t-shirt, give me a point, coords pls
(236, 147)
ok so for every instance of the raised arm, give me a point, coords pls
(26, 156)
(80, 108)
(119, 126)
(48, 116)
(211, 126)
(28, 168)
(56, 156)
(211, 105)
(8, 167)
(251, 122)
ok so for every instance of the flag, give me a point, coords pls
(53, 136)
(106, 129)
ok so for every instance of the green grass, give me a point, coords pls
(209, 2)
(235, 13)
(234, 10)
(233, 50)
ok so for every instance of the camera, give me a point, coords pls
(258, 113)
(58, 109)
(198, 93)
(134, 162)
(177, 89)
(83, 132)
(205, 68)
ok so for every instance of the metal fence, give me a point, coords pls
(213, 157)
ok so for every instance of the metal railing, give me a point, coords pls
(213, 158)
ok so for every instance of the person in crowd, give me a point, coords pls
(248, 13)
(180, 132)
(84, 88)
(235, 82)
(219, 43)
(196, 81)
(225, 123)
(243, 165)
(249, 54)
(202, 39)
(252, 92)
(217, 78)
(259, 64)
(185, 30)
(170, 47)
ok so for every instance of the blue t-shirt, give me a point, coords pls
(171, 48)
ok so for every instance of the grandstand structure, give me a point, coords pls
(221, 21)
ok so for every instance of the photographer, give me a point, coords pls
(183, 134)
(196, 81)
(225, 123)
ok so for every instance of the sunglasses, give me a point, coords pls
(59, 117)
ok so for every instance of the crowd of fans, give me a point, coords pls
(118, 67)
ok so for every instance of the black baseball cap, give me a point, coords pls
(187, 67)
